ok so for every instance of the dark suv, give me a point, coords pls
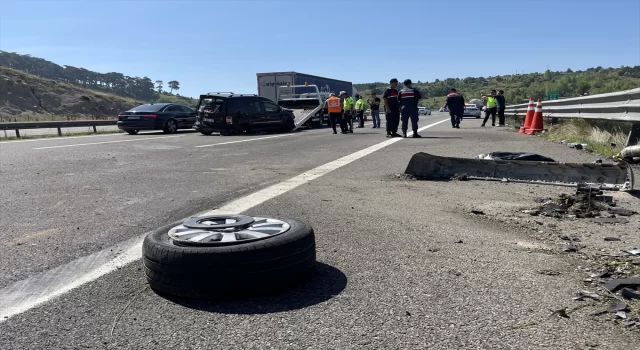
(228, 113)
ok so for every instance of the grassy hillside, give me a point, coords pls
(521, 86)
(28, 97)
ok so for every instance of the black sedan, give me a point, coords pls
(168, 117)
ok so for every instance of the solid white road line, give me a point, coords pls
(104, 142)
(56, 138)
(41, 288)
(245, 140)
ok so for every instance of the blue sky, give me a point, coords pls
(221, 45)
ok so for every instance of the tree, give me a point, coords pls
(159, 86)
(174, 85)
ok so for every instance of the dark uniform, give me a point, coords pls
(390, 96)
(455, 103)
(408, 98)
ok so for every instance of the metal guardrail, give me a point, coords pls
(56, 125)
(618, 106)
(623, 106)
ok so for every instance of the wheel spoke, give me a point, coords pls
(229, 237)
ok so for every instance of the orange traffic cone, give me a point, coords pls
(529, 116)
(536, 123)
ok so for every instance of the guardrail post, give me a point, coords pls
(59, 131)
(17, 133)
(95, 131)
(634, 135)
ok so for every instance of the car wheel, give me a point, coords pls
(131, 131)
(477, 117)
(288, 125)
(320, 123)
(228, 255)
(206, 132)
(171, 126)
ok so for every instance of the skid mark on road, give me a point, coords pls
(39, 289)
(39, 234)
(105, 142)
(245, 140)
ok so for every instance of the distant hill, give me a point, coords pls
(32, 88)
(521, 86)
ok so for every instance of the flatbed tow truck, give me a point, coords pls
(308, 107)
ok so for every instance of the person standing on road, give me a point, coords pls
(347, 105)
(334, 108)
(392, 108)
(501, 102)
(409, 97)
(360, 106)
(491, 109)
(455, 105)
(375, 110)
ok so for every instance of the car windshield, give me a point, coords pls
(147, 108)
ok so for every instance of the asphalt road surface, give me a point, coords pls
(402, 264)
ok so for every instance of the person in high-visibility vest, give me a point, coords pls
(334, 107)
(347, 106)
(360, 107)
(491, 108)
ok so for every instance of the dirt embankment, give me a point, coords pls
(26, 97)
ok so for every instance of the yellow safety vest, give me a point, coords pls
(360, 104)
(491, 102)
(348, 103)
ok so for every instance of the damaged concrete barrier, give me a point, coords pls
(608, 175)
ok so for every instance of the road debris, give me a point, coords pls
(619, 306)
(612, 239)
(514, 156)
(560, 313)
(477, 212)
(586, 294)
(634, 252)
(629, 293)
(548, 272)
(615, 284)
(621, 314)
(587, 202)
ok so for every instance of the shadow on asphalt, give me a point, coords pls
(183, 131)
(327, 283)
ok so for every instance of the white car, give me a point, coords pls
(424, 110)
(471, 110)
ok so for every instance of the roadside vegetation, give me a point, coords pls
(518, 87)
(602, 137)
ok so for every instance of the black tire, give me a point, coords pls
(288, 125)
(206, 132)
(320, 123)
(478, 117)
(131, 131)
(234, 270)
(170, 126)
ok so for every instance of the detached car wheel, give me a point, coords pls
(228, 255)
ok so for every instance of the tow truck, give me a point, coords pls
(308, 107)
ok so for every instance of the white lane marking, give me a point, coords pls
(41, 288)
(56, 138)
(245, 140)
(104, 142)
